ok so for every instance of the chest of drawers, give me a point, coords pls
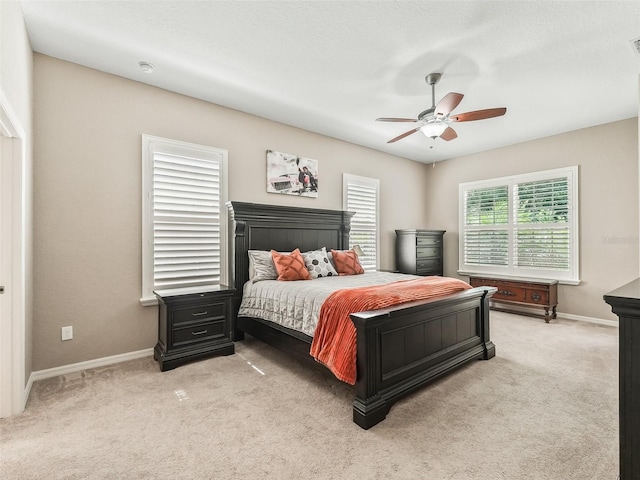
(193, 323)
(521, 291)
(419, 252)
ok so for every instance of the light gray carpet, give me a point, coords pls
(544, 408)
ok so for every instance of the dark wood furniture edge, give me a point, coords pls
(625, 302)
(169, 361)
(374, 398)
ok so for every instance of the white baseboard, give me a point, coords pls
(78, 367)
(568, 316)
(580, 318)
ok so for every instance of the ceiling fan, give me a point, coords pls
(434, 121)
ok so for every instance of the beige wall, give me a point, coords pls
(88, 197)
(16, 93)
(607, 157)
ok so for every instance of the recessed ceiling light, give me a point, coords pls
(146, 67)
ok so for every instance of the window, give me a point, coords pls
(525, 225)
(360, 195)
(183, 215)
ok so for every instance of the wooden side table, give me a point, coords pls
(193, 323)
(526, 292)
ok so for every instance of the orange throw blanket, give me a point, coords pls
(334, 341)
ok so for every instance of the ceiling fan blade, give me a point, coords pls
(405, 134)
(387, 119)
(449, 134)
(478, 115)
(448, 103)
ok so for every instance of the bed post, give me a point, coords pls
(345, 228)
(489, 347)
(369, 408)
(239, 264)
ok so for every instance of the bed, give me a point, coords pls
(398, 349)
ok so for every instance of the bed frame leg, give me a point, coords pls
(369, 412)
(238, 335)
(489, 350)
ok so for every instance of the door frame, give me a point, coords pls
(13, 241)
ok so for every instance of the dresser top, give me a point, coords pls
(627, 294)
(176, 292)
(505, 278)
(420, 232)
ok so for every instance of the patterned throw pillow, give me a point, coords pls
(291, 266)
(318, 264)
(347, 262)
(261, 266)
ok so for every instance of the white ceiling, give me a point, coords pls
(333, 67)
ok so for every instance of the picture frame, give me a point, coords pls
(291, 175)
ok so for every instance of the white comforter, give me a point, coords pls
(296, 305)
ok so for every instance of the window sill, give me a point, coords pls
(515, 277)
(148, 301)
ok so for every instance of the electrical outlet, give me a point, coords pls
(67, 333)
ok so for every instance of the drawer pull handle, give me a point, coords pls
(199, 314)
(506, 293)
(535, 297)
(201, 332)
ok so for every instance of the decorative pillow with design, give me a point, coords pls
(346, 262)
(318, 264)
(290, 266)
(261, 266)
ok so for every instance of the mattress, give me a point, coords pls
(296, 305)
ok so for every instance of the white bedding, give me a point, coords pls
(296, 305)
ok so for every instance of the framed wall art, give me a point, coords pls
(291, 175)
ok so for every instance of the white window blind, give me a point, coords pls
(183, 215)
(526, 225)
(361, 196)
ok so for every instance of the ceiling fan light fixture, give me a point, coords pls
(146, 67)
(433, 130)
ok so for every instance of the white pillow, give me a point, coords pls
(261, 266)
(318, 263)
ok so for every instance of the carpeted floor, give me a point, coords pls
(546, 407)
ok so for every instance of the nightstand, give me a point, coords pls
(193, 323)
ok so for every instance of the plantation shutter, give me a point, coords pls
(486, 236)
(525, 225)
(362, 198)
(186, 221)
(541, 218)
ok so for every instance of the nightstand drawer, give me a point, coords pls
(198, 313)
(427, 252)
(198, 333)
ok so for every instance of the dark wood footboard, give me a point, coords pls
(404, 348)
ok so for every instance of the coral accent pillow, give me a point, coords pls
(290, 266)
(346, 262)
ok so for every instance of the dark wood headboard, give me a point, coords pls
(255, 226)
